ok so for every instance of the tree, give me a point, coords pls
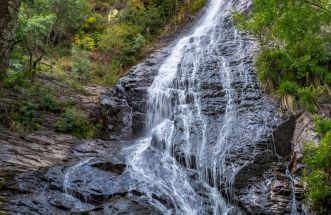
(32, 33)
(295, 40)
(42, 25)
(8, 21)
(69, 16)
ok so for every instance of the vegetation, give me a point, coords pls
(91, 41)
(295, 39)
(318, 171)
(77, 123)
(8, 15)
(81, 42)
(294, 65)
(25, 116)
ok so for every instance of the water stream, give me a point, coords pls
(207, 146)
(175, 140)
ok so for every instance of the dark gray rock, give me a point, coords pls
(125, 105)
(250, 170)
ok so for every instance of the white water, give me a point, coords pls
(174, 103)
(69, 194)
(294, 210)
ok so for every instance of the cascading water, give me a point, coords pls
(209, 145)
(176, 147)
(294, 210)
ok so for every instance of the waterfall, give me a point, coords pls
(188, 132)
(294, 210)
(176, 148)
(67, 181)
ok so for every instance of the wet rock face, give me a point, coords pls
(257, 141)
(247, 143)
(125, 105)
(98, 185)
(263, 186)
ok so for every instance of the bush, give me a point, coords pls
(48, 103)
(295, 46)
(317, 173)
(139, 42)
(271, 66)
(308, 97)
(286, 93)
(25, 118)
(15, 74)
(85, 41)
(77, 123)
(82, 65)
(28, 110)
(322, 126)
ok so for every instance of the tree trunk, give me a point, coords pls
(8, 22)
(34, 68)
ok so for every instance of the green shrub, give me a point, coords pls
(139, 42)
(308, 97)
(272, 64)
(25, 119)
(287, 88)
(75, 122)
(85, 41)
(294, 45)
(317, 173)
(28, 110)
(286, 93)
(82, 65)
(15, 74)
(322, 126)
(119, 39)
(48, 103)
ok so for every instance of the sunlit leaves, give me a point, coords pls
(317, 173)
(295, 38)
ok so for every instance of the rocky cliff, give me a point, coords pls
(215, 143)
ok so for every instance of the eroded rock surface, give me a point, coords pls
(232, 116)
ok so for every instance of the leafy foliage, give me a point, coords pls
(82, 42)
(286, 92)
(26, 115)
(134, 26)
(308, 97)
(294, 37)
(25, 118)
(294, 65)
(81, 66)
(318, 171)
(42, 25)
(76, 123)
(107, 34)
